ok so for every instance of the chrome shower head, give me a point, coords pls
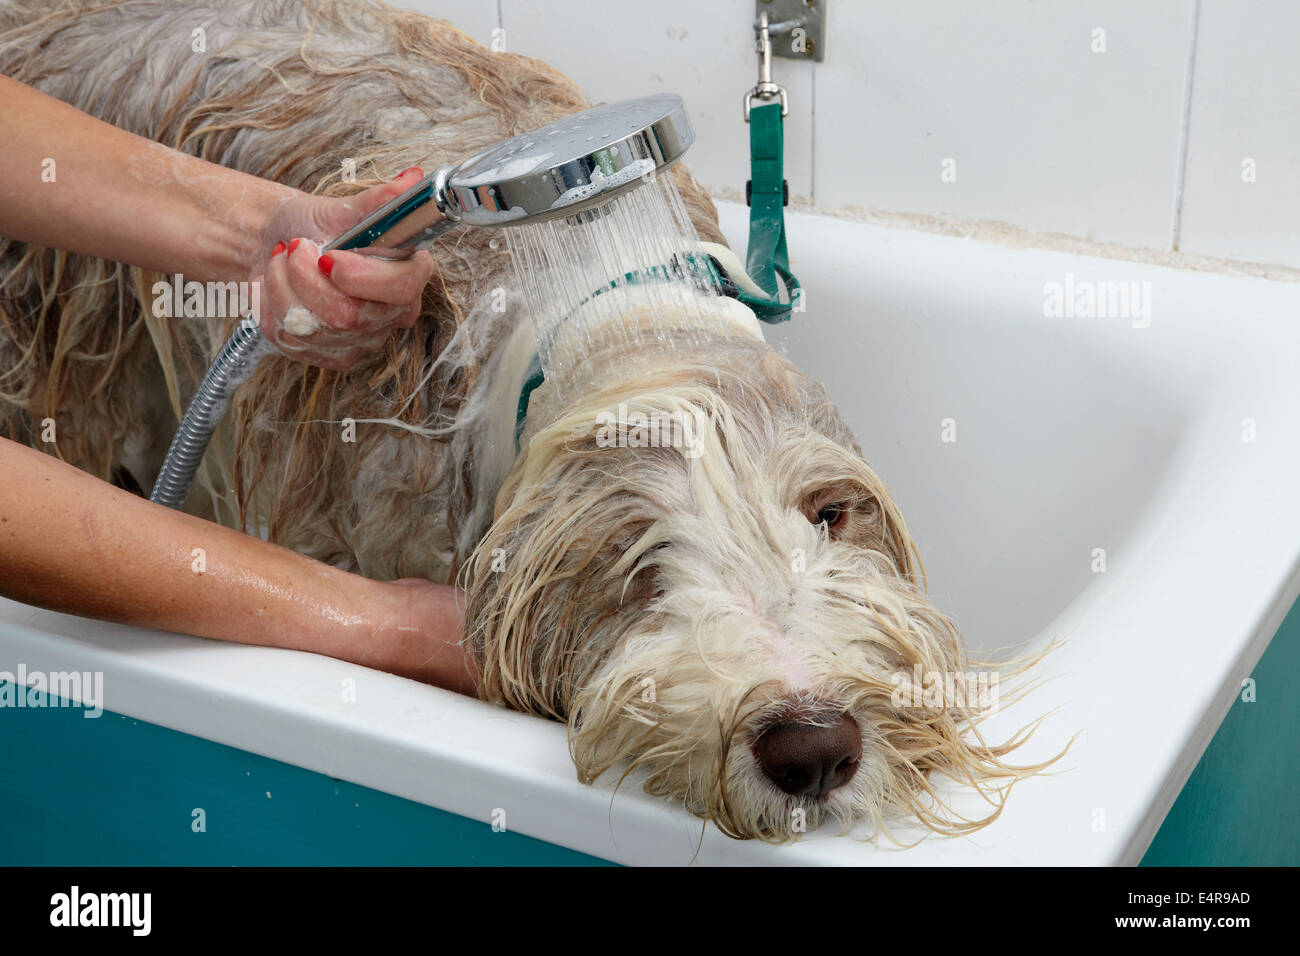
(567, 168)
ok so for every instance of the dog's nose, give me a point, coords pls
(807, 760)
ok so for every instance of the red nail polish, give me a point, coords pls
(279, 248)
(326, 263)
(409, 169)
(293, 245)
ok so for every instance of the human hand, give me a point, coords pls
(422, 634)
(329, 310)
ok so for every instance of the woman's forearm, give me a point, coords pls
(70, 181)
(73, 543)
(70, 542)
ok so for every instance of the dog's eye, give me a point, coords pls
(844, 509)
(832, 515)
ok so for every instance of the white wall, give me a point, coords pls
(1141, 145)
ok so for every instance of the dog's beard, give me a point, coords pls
(731, 648)
(672, 604)
(722, 656)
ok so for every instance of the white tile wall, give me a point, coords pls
(702, 50)
(1245, 106)
(1045, 133)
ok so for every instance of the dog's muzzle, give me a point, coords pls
(810, 760)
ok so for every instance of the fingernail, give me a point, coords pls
(279, 248)
(293, 245)
(409, 169)
(326, 263)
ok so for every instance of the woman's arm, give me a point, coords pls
(73, 543)
(70, 181)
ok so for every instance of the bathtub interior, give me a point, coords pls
(1013, 446)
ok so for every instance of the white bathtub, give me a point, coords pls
(1073, 434)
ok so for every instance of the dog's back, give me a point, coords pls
(328, 96)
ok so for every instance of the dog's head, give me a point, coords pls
(696, 569)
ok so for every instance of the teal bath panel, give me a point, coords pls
(1239, 806)
(113, 791)
(118, 791)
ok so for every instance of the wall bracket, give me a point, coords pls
(798, 27)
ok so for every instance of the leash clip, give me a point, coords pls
(765, 89)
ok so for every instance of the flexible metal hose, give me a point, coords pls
(236, 361)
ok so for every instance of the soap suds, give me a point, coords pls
(300, 321)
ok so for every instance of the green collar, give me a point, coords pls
(767, 194)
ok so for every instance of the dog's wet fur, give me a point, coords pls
(728, 625)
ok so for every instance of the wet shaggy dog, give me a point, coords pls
(729, 624)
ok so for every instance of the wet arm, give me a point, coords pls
(73, 543)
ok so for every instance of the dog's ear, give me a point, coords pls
(567, 564)
(510, 609)
(898, 541)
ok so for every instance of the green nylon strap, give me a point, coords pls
(767, 257)
(533, 378)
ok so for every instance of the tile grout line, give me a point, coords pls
(812, 146)
(1023, 238)
(1183, 134)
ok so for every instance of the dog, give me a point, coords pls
(728, 624)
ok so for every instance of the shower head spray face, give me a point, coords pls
(565, 169)
(572, 165)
